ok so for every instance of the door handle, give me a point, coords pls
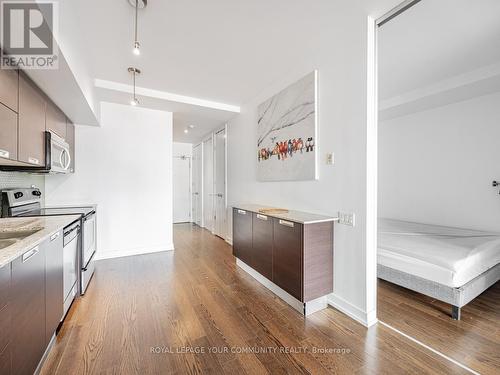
(261, 217)
(29, 254)
(69, 159)
(286, 223)
(241, 212)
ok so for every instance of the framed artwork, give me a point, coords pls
(287, 130)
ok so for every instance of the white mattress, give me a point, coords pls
(448, 256)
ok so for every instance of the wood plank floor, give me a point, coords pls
(473, 341)
(193, 311)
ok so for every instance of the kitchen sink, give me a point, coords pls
(10, 238)
(6, 243)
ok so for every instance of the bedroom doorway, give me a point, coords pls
(438, 221)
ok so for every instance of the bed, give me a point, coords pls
(450, 264)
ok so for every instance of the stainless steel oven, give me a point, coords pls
(88, 250)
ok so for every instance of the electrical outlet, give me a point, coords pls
(329, 158)
(346, 218)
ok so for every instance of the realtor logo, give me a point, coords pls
(28, 34)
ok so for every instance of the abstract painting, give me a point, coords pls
(287, 133)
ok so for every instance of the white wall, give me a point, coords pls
(182, 149)
(125, 167)
(338, 32)
(437, 166)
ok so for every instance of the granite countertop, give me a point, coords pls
(295, 216)
(46, 226)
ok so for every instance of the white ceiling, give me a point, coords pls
(218, 50)
(436, 40)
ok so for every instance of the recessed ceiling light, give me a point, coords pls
(186, 131)
(191, 126)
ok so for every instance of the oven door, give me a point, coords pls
(60, 157)
(89, 239)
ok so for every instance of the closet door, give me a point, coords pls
(208, 184)
(197, 185)
(220, 184)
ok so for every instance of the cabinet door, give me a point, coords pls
(54, 291)
(28, 310)
(9, 88)
(70, 138)
(8, 133)
(31, 123)
(242, 235)
(287, 257)
(55, 120)
(262, 251)
(5, 362)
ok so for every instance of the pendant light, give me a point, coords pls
(137, 4)
(135, 72)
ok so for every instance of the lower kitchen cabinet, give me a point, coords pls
(287, 256)
(242, 235)
(28, 310)
(262, 245)
(295, 256)
(54, 288)
(6, 361)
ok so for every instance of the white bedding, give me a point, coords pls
(445, 255)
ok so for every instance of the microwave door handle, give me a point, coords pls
(66, 151)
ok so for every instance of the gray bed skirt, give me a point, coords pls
(457, 297)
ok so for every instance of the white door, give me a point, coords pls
(220, 183)
(208, 185)
(197, 185)
(182, 189)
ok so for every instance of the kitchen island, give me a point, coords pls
(289, 252)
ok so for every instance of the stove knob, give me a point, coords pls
(18, 195)
(36, 193)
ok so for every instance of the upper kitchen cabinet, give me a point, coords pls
(9, 88)
(32, 107)
(70, 138)
(8, 133)
(55, 120)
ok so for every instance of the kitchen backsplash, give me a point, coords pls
(23, 180)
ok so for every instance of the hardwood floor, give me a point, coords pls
(473, 341)
(164, 313)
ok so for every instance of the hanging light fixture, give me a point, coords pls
(137, 4)
(135, 72)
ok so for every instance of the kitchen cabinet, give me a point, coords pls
(54, 290)
(9, 88)
(262, 245)
(28, 310)
(242, 235)
(296, 255)
(32, 106)
(70, 138)
(5, 320)
(8, 133)
(287, 256)
(55, 120)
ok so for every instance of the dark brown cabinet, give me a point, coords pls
(287, 256)
(296, 256)
(262, 245)
(5, 320)
(70, 138)
(9, 88)
(31, 123)
(242, 235)
(53, 284)
(28, 310)
(55, 120)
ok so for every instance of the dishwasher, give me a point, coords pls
(70, 268)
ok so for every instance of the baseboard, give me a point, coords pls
(354, 312)
(229, 240)
(126, 253)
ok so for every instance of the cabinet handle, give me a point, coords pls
(4, 154)
(54, 236)
(33, 160)
(286, 223)
(242, 212)
(29, 254)
(261, 217)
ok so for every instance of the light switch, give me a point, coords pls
(329, 158)
(346, 218)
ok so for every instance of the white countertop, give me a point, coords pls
(295, 216)
(47, 225)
